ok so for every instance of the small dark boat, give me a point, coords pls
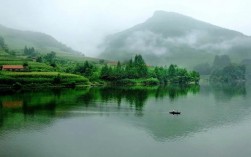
(174, 112)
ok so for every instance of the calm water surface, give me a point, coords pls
(122, 122)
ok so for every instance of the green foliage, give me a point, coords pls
(43, 43)
(50, 57)
(134, 71)
(29, 51)
(88, 70)
(174, 74)
(139, 65)
(57, 79)
(104, 74)
(228, 74)
(25, 64)
(142, 81)
(39, 59)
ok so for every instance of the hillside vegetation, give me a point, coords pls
(17, 40)
(38, 68)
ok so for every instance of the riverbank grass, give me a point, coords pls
(42, 78)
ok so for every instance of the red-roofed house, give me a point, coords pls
(13, 67)
(12, 104)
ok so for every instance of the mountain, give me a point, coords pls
(169, 37)
(17, 40)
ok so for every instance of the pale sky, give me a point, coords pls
(83, 24)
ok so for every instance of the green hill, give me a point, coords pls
(169, 37)
(43, 43)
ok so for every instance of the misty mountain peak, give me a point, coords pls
(169, 36)
(170, 16)
(163, 14)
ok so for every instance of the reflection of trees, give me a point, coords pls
(135, 96)
(175, 91)
(50, 108)
(225, 91)
(38, 105)
(87, 97)
(45, 103)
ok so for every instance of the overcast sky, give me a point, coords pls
(83, 24)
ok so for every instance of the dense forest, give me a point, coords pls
(134, 71)
(137, 69)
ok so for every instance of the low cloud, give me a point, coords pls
(146, 41)
(153, 43)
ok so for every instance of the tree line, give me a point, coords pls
(137, 69)
(223, 70)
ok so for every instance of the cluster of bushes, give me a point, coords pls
(137, 69)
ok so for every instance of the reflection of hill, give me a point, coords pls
(224, 91)
(145, 108)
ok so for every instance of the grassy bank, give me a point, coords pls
(38, 79)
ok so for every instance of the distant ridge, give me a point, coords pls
(169, 37)
(17, 39)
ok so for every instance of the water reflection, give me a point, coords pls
(144, 107)
(47, 103)
(226, 91)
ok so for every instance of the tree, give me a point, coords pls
(39, 59)
(140, 66)
(129, 69)
(29, 51)
(53, 64)
(119, 71)
(171, 71)
(57, 79)
(25, 64)
(50, 57)
(87, 69)
(161, 74)
(104, 74)
(136, 68)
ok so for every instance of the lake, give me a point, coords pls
(215, 121)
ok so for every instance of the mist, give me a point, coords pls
(84, 24)
(150, 43)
